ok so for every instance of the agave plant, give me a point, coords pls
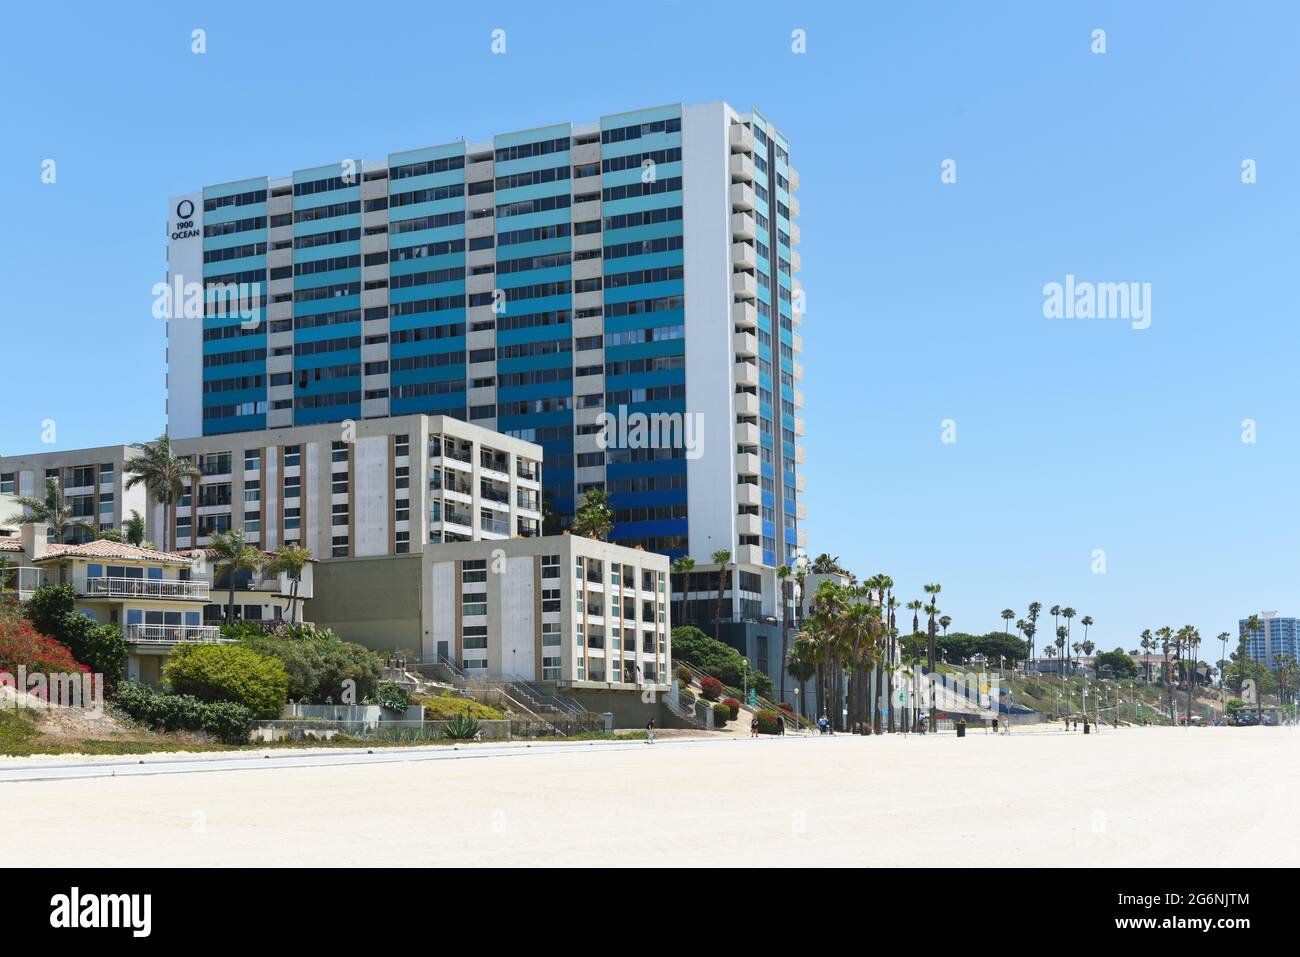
(461, 728)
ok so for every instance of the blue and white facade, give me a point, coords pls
(529, 283)
(1277, 636)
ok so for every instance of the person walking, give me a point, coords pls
(753, 727)
(650, 731)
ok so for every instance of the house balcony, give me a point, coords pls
(792, 175)
(794, 234)
(746, 433)
(161, 589)
(794, 206)
(747, 464)
(748, 493)
(748, 555)
(746, 404)
(743, 227)
(749, 525)
(172, 634)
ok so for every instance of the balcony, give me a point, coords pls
(742, 196)
(21, 581)
(794, 206)
(162, 589)
(793, 177)
(746, 404)
(744, 285)
(746, 433)
(494, 526)
(742, 167)
(172, 634)
(746, 373)
(742, 226)
(745, 344)
(748, 493)
(744, 314)
(741, 138)
(749, 525)
(794, 234)
(747, 463)
(798, 426)
(798, 398)
(744, 255)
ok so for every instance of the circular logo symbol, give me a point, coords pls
(184, 209)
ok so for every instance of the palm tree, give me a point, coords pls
(1035, 609)
(932, 610)
(1030, 630)
(720, 558)
(1253, 628)
(915, 607)
(944, 622)
(1007, 615)
(234, 555)
(164, 475)
(1147, 644)
(826, 564)
(801, 662)
(682, 567)
(1164, 636)
(53, 510)
(1055, 612)
(1067, 614)
(289, 560)
(133, 528)
(594, 518)
(1087, 622)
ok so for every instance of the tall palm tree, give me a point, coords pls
(682, 567)
(801, 662)
(1055, 612)
(915, 607)
(1067, 614)
(1223, 671)
(1164, 641)
(826, 564)
(53, 510)
(1007, 615)
(944, 622)
(133, 529)
(1035, 609)
(720, 558)
(1087, 623)
(289, 560)
(891, 653)
(932, 610)
(164, 474)
(234, 555)
(1255, 629)
(1030, 630)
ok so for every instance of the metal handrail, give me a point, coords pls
(173, 634)
(143, 588)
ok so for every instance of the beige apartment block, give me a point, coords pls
(92, 481)
(362, 489)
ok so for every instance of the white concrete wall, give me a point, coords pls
(184, 336)
(370, 496)
(519, 618)
(706, 215)
(443, 610)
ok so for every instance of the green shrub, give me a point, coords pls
(461, 728)
(693, 647)
(322, 668)
(733, 707)
(229, 673)
(767, 721)
(391, 696)
(444, 707)
(721, 714)
(227, 722)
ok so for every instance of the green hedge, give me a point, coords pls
(721, 714)
(227, 722)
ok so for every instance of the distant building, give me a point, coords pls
(91, 481)
(1277, 636)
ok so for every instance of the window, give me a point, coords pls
(473, 572)
(550, 600)
(473, 604)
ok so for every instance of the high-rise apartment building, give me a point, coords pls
(1276, 636)
(528, 283)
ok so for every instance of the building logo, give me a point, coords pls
(185, 226)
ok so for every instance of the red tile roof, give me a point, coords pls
(11, 544)
(103, 548)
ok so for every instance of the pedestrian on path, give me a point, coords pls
(650, 731)
(753, 727)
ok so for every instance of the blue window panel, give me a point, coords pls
(431, 405)
(518, 194)
(672, 257)
(243, 423)
(329, 386)
(622, 177)
(641, 350)
(525, 307)
(510, 337)
(338, 276)
(235, 265)
(541, 390)
(532, 277)
(235, 188)
(645, 380)
(233, 398)
(549, 217)
(321, 333)
(435, 290)
(649, 290)
(647, 529)
(426, 153)
(558, 360)
(650, 320)
(544, 247)
(349, 194)
(352, 248)
(226, 214)
(436, 347)
(439, 234)
(405, 267)
(417, 320)
(350, 221)
(234, 239)
(536, 420)
(633, 234)
(333, 304)
(411, 184)
(453, 373)
(639, 204)
(434, 207)
(328, 413)
(644, 144)
(656, 467)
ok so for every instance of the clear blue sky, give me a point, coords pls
(924, 299)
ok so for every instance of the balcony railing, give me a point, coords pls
(495, 526)
(172, 634)
(165, 588)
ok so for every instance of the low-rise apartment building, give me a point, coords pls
(92, 482)
(361, 489)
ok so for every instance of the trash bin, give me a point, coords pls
(961, 729)
(1086, 726)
